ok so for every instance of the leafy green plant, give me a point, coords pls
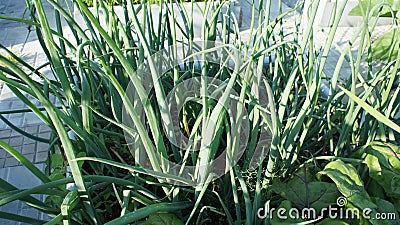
(385, 8)
(290, 123)
(386, 47)
(342, 183)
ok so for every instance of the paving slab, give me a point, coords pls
(5, 133)
(2, 161)
(28, 149)
(10, 162)
(33, 150)
(2, 155)
(16, 141)
(22, 41)
(41, 156)
(21, 178)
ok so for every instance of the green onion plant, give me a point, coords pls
(275, 78)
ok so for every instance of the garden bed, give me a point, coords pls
(167, 129)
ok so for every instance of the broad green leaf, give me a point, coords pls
(389, 180)
(384, 11)
(356, 217)
(388, 154)
(383, 161)
(56, 161)
(375, 189)
(57, 167)
(386, 47)
(304, 191)
(351, 186)
(348, 182)
(162, 219)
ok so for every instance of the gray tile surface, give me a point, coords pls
(33, 150)
(17, 37)
(21, 178)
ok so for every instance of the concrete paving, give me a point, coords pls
(17, 37)
(33, 150)
(22, 178)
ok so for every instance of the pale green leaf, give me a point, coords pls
(304, 191)
(386, 47)
(348, 182)
(375, 113)
(384, 11)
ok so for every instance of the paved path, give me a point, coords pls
(21, 178)
(15, 36)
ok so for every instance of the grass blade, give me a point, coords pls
(375, 113)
